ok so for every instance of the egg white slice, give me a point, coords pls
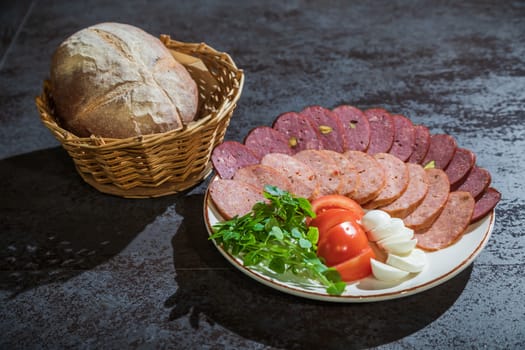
(413, 262)
(384, 272)
(399, 247)
(374, 218)
(393, 226)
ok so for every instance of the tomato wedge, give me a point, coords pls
(356, 268)
(334, 201)
(329, 218)
(342, 242)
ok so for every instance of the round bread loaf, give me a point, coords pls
(115, 80)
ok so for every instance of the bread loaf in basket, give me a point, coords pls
(161, 163)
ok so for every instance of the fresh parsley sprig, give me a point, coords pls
(275, 234)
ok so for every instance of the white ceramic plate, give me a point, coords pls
(442, 266)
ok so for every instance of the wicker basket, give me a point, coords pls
(165, 163)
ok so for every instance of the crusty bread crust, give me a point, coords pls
(115, 80)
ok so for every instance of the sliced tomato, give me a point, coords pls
(342, 242)
(356, 268)
(329, 218)
(334, 201)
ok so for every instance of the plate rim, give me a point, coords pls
(346, 298)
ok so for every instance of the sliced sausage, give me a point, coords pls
(260, 175)
(382, 130)
(229, 156)
(414, 194)
(460, 166)
(302, 178)
(356, 129)
(397, 179)
(299, 130)
(372, 177)
(477, 181)
(328, 126)
(263, 140)
(404, 137)
(450, 224)
(234, 198)
(488, 201)
(432, 205)
(349, 174)
(421, 144)
(326, 169)
(441, 150)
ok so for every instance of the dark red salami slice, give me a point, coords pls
(356, 128)
(421, 144)
(299, 130)
(477, 181)
(441, 150)
(488, 201)
(460, 166)
(263, 140)
(229, 156)
(404, 137)
(382, 130)
(328, 126)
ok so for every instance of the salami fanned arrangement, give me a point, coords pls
(382, 161)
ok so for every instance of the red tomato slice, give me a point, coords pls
(333, 201)
(356, 268)
(342, 242)
(329, 218)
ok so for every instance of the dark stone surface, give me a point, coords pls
(80, 269)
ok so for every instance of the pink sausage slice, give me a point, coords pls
(348, 173)
(234, 198)
(441, 150)
(451, 223)
(421, 144)
(397, 180)
(432, 205)
(302, 177)
(327, 170)
(328, 126)
(299, 130)
(414, 194)
(260, 175)
(229, 156)
(404, 137)
(488, 201)
(382, 130)
(477, 181)
(356, 128)
(263, 140)
(460, 166)
(372, 177)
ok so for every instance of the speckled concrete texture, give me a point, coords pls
(80, 269)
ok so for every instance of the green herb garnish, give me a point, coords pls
(275, 234)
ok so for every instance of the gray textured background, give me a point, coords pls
(79, 269)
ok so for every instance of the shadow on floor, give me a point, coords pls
(53, 226)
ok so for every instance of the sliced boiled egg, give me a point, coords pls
(393, 226)
(413, 262)
(401, 234)
(400, 247)
(374, 218)
(385, 272)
